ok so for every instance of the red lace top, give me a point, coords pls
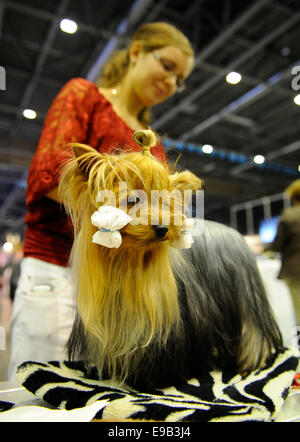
(79, 113)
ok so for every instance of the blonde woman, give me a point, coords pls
(151, 69)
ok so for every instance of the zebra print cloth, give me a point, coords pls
(217, 396)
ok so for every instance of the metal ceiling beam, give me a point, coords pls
(31, 128)
(228, 32)
(18, 50)
(46, 81)
(134, 16)
(292, 147)
(208, 50)
(33, 46)
(157, 9)
(246, 44)
(267, 136)
(283, 150)
(25, 101)
(233, 65)
(250, 96)
(259, 141)
(11, 109)
(285, 9)
(49, 16)
(241, 121)
(249, 80)
(2, 7)
(193, 9)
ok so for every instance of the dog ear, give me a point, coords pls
(85, 156)
(80, 149)
(185, 180)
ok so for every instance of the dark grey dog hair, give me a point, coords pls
(226, 320)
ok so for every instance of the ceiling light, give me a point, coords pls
(68, 26)
(285, 51)
(297, 99)
(8, 246)
(233, 77)
(30, 114)
(259, 159)
(207, 148)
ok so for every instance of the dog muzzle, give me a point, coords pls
(109, 220)
(186, 237)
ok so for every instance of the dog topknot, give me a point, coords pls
(146, 139)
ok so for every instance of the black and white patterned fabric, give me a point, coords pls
(217, 396)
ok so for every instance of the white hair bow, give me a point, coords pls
(186, 238)
(109, 221)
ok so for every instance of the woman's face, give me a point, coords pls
(156, 75)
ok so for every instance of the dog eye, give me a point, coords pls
(132, 200)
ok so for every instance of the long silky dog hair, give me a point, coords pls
(228, 322)
(151, 315)
(126, 296)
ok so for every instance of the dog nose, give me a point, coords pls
(160, 231)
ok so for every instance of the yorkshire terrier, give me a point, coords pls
(126, 292)
(134, 323)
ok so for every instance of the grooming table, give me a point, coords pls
(27, 407)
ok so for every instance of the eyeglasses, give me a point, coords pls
(168, 67)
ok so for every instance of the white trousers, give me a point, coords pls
(43, 314)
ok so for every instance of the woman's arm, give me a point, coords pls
(53, 195)
(67, 121)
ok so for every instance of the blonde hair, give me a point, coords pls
(126, 300)
(152, 36)
(123, 302)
